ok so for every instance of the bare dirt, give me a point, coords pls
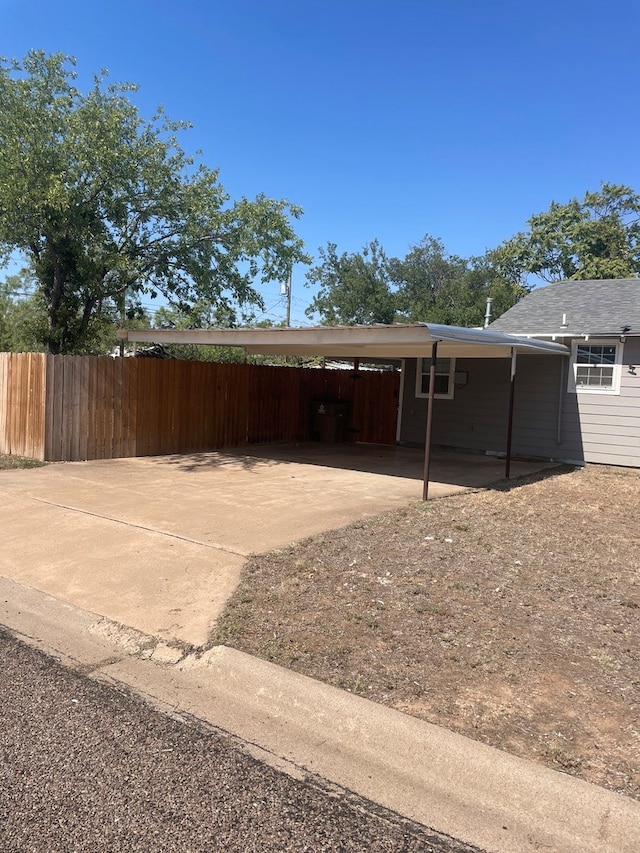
(509, 615)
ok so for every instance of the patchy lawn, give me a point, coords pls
(8, 462)
(511, 616)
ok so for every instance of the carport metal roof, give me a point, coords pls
(395, 341)
(376, 342)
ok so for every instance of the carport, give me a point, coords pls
(374, 343)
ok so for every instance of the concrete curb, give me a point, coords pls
(455, 785)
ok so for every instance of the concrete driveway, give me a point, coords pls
(158, 543)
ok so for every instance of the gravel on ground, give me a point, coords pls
(86, 768)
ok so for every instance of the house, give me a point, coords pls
(582, 409)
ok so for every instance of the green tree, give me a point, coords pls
(462, 301)
(353, 287)
(104, 203)
(596, 238)
(422, 275)
(436, 287)
(23, 318)
(202, 314)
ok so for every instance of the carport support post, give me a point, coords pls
(514, 355)
(427, 441)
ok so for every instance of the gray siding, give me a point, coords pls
(610, 424)
(591, 428)
(476, 419)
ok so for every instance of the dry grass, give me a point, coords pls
(510, 616)
(9, 462)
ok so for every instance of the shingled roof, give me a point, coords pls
(602, 307)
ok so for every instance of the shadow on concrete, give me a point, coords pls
(213, 459)
(373, 459)
(466, 470)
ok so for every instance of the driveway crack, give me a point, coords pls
(214, 546)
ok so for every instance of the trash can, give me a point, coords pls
(329, 420)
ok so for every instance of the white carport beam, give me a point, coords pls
(512, 389)
(396, 341)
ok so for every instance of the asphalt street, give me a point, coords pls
(86, 767)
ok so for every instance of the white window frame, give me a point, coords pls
(423, 368)
(574, 388)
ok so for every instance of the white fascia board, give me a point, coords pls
(565, 333)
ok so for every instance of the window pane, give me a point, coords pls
(605, 375)
(582, 376)
(582, 355)
(588, 354)
(594, 377)
(443, 366)
(442, 384)
(595, 354)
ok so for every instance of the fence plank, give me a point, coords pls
(5, 446)
(117, 406)
(54, 407)
(36, 406)
(21, 405)
(14, 384)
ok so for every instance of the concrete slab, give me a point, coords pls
(162, 585)
(158, 543)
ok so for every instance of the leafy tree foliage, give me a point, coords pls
(22, 315)
(23, 319)
(436, 287)
(103, 202)
(353, 287)
(596, 238)
(422, 276)
(202, 314)
(427, 285)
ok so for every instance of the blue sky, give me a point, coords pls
(387, 120)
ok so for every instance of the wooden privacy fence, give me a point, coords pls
(69, 408)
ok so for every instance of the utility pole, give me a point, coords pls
(285, 290)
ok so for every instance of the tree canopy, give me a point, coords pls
(422, 277)
(596, 238)
(353, 287)
(434, 286)
(103, 203)
(427, 285)
(22, 315)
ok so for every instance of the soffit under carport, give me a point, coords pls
(377, 341)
